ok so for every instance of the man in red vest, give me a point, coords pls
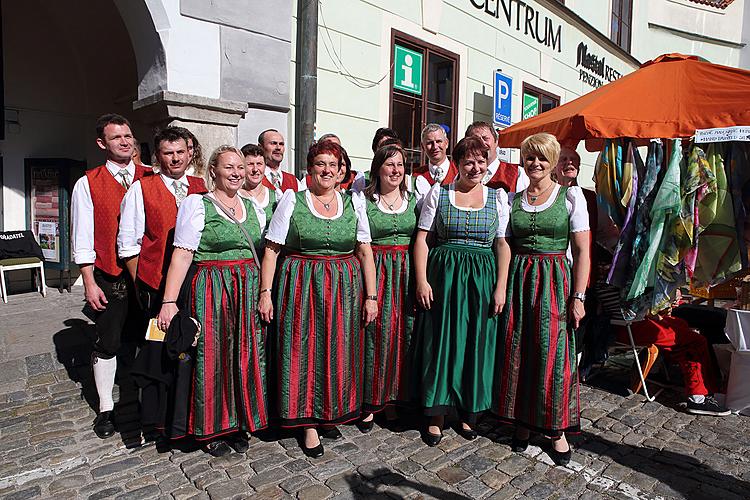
(274, 147)
(149, 215)
(439, 168)
(500, 174)
(95, 213)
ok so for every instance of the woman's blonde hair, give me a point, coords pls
(542, 144)
(213, 160)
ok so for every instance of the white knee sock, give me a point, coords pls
(104, 376)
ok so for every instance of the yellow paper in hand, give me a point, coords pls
(153, 332)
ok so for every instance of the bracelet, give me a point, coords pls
(265, 290)
(168, 301)
(372, 297)
(580, 296)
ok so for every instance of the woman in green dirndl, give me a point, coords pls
(460, 285)
(536, 381)
(257, 187)
(214, 261)
(392, 220)
(320, 309)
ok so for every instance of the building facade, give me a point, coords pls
(226, 69)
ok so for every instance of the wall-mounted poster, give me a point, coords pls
(45, 210)
(49, 182)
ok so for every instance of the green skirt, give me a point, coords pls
(454, 341)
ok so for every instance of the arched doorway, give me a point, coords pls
(66, 63)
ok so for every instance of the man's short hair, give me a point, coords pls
(262, 134)
(109, 119)
(326, 137)
(169, 134)
(251, 150)
(480, 124)
(380, 133)
(430, 128)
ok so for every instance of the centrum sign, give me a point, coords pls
(525, 19)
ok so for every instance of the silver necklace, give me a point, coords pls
(390, 205)
(327, 206)
(533, 199)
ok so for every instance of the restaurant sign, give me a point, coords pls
(525, 19)
(593, 69)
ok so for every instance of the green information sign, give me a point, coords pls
(530, 106)
(407, 70)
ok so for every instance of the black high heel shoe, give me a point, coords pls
(519, 445)
(467, 434)
(365, 426)
(314, 452)
(431, 439)
(332, 433)
(561, 458)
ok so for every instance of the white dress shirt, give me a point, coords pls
(422, 186)
(133, 216)
(82, 215)
(269, 175)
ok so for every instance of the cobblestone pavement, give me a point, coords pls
(629, 448)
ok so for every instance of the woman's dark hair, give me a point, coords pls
(379, 134)
(321, 148)
(347, 164)
(381, 155)
(469, 146)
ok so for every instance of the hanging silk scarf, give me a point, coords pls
(737, 163)
(718, 255)
(698, 180)
(665, 210)
(613, 179)
(621, 262)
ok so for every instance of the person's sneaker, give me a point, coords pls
(647, 356)
(709, 406)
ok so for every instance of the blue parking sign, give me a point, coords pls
(503, 99)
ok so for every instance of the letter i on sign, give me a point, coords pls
(408, 80)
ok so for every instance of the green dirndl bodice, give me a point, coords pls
(318, 309)
(455, 339)
(536, 379)
(229, 388)
(388, 338)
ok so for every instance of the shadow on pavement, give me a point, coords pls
(681, 473)
(383, 477)
(73, 347)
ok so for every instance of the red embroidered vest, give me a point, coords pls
(424, 171)
(288, 181)
(506, 177)
(160, 210)
(106, 196)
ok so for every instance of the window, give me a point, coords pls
(424, 90)
(622, 19)
(536, 101)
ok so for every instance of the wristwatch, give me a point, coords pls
(580, 296)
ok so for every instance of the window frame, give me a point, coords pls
(414, 43)
(527, 88)
(620, 23)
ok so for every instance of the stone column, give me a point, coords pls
(213, 121)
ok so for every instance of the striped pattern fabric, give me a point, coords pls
(537, 381)
(319, 340)
(387, 339)
(229, 382)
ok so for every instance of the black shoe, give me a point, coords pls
(239, 441)
(709, 406)
(467, 434)
(519, 445)
(395, 425)
(218, 448)
(365, 427)
(331, 433)
(314, 452)
(432, 439)
(151, 436)
(103, 425)
(561, 458)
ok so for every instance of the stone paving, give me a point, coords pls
(629, 448)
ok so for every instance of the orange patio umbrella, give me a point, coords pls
(669, 97)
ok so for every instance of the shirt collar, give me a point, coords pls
(115, 168)
(492, 167)
(444, 166)
(168, 180)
